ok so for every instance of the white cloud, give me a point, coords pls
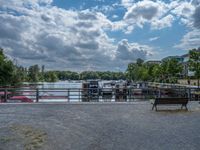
(127, 3)
(184, 11)
(158, 14)
(190, 40)
(115, 16)
(131, 51)
(196, 2)
(147, 11)
(35, 31)
(162, 23)
(154, 38)
(58, 38)
(143, 10)
(196, 17)
(190, 15)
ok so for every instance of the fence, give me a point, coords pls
(93, 94)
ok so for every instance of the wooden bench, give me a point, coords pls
(166, 101)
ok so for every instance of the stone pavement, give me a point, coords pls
(99, 126)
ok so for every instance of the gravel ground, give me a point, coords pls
(127, 126)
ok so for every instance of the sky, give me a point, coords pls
(102, 35)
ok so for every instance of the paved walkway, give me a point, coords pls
(99, 127)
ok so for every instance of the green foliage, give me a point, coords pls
(172, 67)
(167, 71)
(6, 70)
(194, 62)
(89, 75)
(20, 75)
(50, 76)
(102, 75)
(157, 73)
(67, 75)
(34, 73)
(139, 61)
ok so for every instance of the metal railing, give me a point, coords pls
(94, 94)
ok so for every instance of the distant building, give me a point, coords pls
(184, 60)
(180, 59)
(154, 62)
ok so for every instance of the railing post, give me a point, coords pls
(37, 95)
(189, 94)
(68, 95)
(79, 95)
(5, 95)
(159, 94)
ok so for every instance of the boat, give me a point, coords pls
(19, 99)
(90, 91)
(121, 92)
(107, 90)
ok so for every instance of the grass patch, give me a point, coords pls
(33, 138)
(5, 140)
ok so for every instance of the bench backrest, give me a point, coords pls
(171, 100)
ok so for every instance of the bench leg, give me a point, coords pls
(153, 106)
(186, 107)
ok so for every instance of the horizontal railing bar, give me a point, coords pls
(163, 88)
(100, 94)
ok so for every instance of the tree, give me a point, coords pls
(20, 74)
(138, 71)
(194, 63)
(50, 76)
(139, 61)
(34, 73)
(170, 69)
(157, 72)
(131, 70)
(143, 73)
(6, 69)
(174, 67)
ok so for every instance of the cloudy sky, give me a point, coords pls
(97, 34)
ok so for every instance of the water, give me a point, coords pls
(60, 89)
(63, 91)
(61, 84)
(71, 95)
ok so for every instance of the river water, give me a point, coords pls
(53, 89)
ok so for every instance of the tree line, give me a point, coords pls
(11, 74)
(168, 71)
